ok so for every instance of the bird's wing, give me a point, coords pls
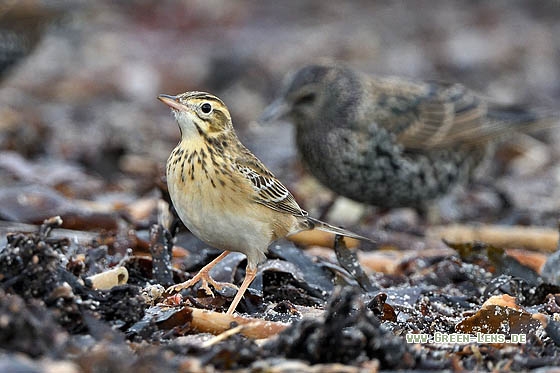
(429, 114)
(269, 191)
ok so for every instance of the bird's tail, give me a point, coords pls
(523, 119)
(502, 120)
(321, 225)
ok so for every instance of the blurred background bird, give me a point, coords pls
(390, 141)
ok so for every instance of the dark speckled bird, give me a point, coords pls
(390, 141)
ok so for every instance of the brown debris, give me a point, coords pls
(380, 308)
(319, 238)
(534, 238)
(216, 322)
(393, 261)
(499, 314)
(206, 321)
(531, 259)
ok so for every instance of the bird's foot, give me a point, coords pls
(205, 279)
(217, 285)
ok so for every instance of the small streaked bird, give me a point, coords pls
(223, 194)
(389, 141)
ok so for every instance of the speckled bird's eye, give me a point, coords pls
(206, 108)
(306, 99)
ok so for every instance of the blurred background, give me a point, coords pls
(79, 117)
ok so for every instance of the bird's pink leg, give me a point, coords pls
(250, 274)
(204, 276)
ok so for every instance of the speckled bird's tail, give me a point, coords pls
(523, 119)
(321, 225)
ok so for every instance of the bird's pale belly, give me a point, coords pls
(201, 207)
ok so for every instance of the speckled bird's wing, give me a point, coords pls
(269, 190)
(429, 114)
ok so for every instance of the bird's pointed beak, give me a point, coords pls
(171, 101)
(275, 111)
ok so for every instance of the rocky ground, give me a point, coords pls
(83, 137)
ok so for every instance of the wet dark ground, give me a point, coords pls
(83, 137)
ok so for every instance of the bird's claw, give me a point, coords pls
(217, 285)
(178, 287)
(204, 279)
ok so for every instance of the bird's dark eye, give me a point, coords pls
(306, 99)
(206, 108)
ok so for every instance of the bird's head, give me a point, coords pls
(199, 114)
(312, 92)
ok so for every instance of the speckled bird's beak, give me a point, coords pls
(171, 101)
(275, 111)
